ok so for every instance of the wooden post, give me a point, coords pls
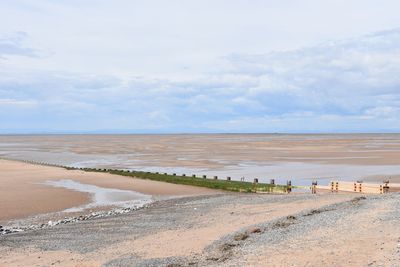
(314, 187)
(334, 186)
(386, 187)
(360, 187)
(289, 186)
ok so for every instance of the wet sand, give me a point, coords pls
(23, 192)
(300, 158)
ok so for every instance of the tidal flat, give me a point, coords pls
(300, 158)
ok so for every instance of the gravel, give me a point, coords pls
(87, 235)
(290, 230)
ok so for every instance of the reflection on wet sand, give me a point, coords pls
(100, 196)
(296, 157)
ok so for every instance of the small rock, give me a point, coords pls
(241, 236)
(255, 230)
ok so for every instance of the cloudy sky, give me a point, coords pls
(199, 66)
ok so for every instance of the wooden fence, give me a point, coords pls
(356, 187)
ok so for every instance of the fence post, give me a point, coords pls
(360, 188)
(386, 187)
(289, 186)
(314, 187)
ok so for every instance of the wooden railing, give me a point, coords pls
(356, 187)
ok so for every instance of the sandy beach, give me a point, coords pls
(188, 226)
(23, 192)
(176, 225)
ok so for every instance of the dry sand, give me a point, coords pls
(22, 192)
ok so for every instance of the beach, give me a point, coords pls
(223, 230)
(300, 158)
(24, 193)
(55, 216)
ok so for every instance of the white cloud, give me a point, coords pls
(201, 65)
(331, 87)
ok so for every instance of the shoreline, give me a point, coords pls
(207, 228)
(24, 184)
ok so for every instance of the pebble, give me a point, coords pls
(92, 215)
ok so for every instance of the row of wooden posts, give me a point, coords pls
(334, 186)
(215, 177)
(228, 178)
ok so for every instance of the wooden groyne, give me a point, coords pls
(242, 186)
(194, 180)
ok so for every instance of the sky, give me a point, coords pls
(209, 66)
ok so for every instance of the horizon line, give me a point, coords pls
(193, 133)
